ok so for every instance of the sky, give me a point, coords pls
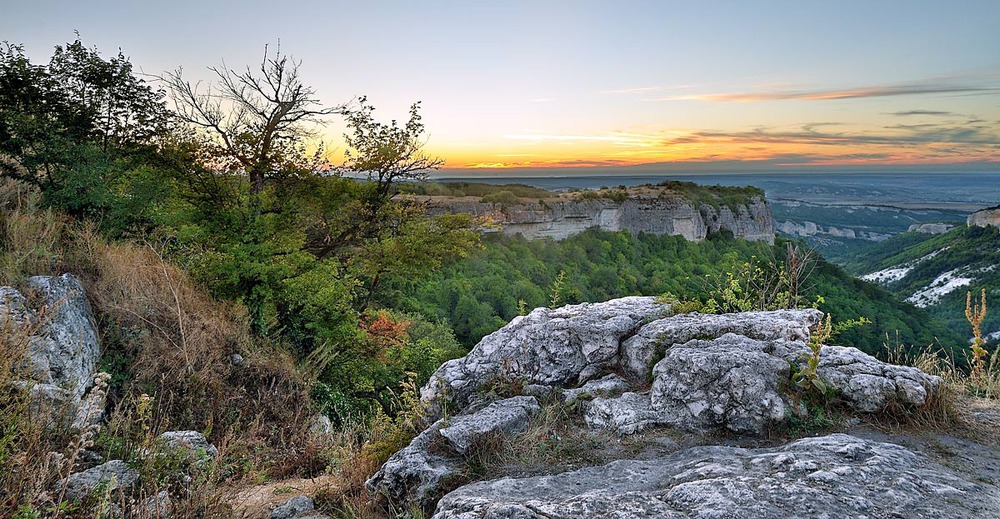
(540, 84)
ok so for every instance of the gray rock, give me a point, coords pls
(644, 349)
(236, 359)
(116, 474)
(539, 391)
(730, 382)
(509, 416)
(159, 506)
(298, 507)
(321, 426)
(664, 213)
(557, 347)
(192, 444)
(415, 474)
(611, 385)
(626, 414)
(14, 308)
(826, 477)
(75, 345)
(870, 384)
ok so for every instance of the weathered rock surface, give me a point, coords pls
(611, 385)
(508, 416)
(825, 477)
(730, 382)
(626, 414)
(562, 347)
(931, 228)
(984, 217)
(415, 474)
(115, 474)
(419, 472)
(70, 342)
(298, 507)
(691, 372)
(641, 351)
(63, 348)
(191, 444)
(652, 214)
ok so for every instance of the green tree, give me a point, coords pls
(85, 130)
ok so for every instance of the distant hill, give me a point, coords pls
(936, 271)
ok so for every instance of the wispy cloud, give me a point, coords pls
(638, 90)
(617, 138)
(899, 89)
(906, 113)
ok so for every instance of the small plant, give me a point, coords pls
(975, 313)
(556, 297)
(522, 307)
(806, 378)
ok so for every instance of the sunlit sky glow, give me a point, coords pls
(581, 83)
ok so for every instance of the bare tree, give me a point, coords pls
(258, 118)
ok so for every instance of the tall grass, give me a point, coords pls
(169, 348)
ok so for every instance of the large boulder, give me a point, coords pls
(113, 475)
(508, 417)
(420, 472)
(562, 347)
(644, 349)
(70, 342)
(825, 477)
(416, 474)
(63, 348)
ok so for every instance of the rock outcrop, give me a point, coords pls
(562, 347)
(984, 218)
(824, 477)
(931, 228)
(666, 213)
(630, 365)
(63, 346)
(113, 475)
(433, 461)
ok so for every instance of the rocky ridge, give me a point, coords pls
(984, 218)
(631, 366)
(656, 213)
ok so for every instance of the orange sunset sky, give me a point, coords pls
(583, 83)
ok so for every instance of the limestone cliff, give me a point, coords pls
(649, 210)
(985, 217)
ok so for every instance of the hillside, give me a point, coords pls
(936, 271)
(481, 293)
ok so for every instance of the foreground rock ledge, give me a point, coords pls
(831, 476)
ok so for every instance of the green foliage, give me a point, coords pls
(973, 251)
(502, 198)
(475, 189)
(481, 293)
(86, 131)
(714, 196)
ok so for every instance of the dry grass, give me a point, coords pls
(164, 337)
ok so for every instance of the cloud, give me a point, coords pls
(639, 90)
(573, 163)
(808, 135)
(922, 112)
(899, 89)
(617, 138)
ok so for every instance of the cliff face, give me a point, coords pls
(659, 215)
(985, 217)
